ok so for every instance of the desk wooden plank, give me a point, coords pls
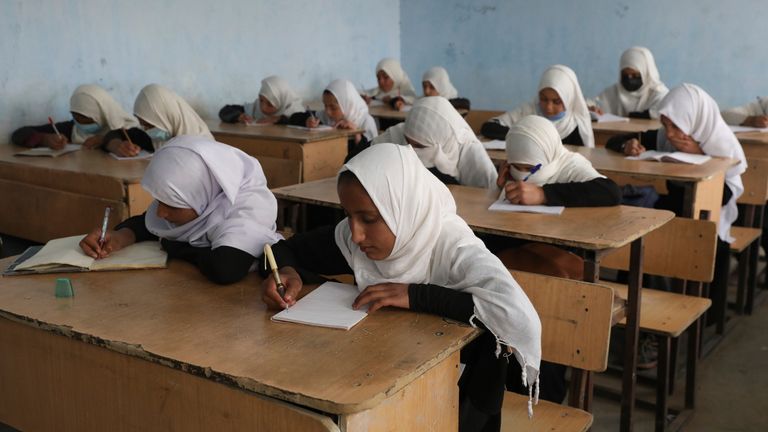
(386, 112)
(603, 131)
(755, 144)
(272, 132)
(176, 318)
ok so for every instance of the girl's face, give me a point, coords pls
(414, 143)
(630, 73)
(550, 102)
(144, 124)
(266, 106)
(679, 139)
(83, 120)
(385, 82)
(369, 231)
(429, 89)
(175, 215)
(332, 107)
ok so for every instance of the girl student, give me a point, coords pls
(394, 89)
(563, 178)
(276, 103)
(444, 143)
(94, 114)
(163, 114)
(407, 248)
(559, 100)
(436, 82)
(754, 114)
(639, 90)
(211, 207)
(691, 123)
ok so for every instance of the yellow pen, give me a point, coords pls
(273, 266)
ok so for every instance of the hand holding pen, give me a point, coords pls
(524, 193)
(312, 120)
(57, 141)
(282, 287)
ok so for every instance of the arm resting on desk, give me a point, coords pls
(494, 130)
(231, 113)
(32, 136)
(137, 135)
(223, 265)
(598, 192)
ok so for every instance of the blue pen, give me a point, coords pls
(532, 172)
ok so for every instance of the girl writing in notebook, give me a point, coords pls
(639, 89)
(407, 248)
(754, 114)
(691, 123)
(211, 207)
(276, 103)
(444, 143)
(559, 100)
(94, 114)
(563, 178)
(436, 82)
(394, 89)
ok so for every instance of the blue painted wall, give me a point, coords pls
(210, 52)
(495, 51)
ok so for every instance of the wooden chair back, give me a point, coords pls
(280, 172)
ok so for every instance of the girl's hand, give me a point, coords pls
(399, 104)
(113, 242)
(633, 147)
(123, 148)
(596, 110)
(503, 174)
(244, 118)
(385, 294)
(93, 142)
(367, 99)
(386, 99)
(759, 121)
(345, 124)
(313, 122)
(524, 193)
(686, 145)
(54, 141)
(293, 284)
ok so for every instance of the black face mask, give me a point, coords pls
(631, 84)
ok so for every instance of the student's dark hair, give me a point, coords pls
(347, 176)
(327, 92)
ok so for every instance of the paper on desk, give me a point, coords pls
(329, 305)
(607, 117)
(737, 129)
(495, 145)
(49, 152)
(678, 157)
(318, 128)
(143, 154)
(406, 108)
(503, 205)
(375, 103)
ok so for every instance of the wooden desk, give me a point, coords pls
(321, 153)
(575, 227)
(703, 183)
(45, 198)
(755, 144)
(386, 112)
(166, 349)
(605, 130)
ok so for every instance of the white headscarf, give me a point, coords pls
(352, 105)
(438, 77)
(402, 86)
(737, 115)
(534, 140)
(434, 245)
(97, 104)
(696, 114)
(166, 110)
(280, 95)
(617, 100)
(562, 80)
(450, 144)
(226, 188)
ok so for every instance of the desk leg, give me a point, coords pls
(580, 394)
(632, 332)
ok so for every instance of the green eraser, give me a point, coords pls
(64, 288)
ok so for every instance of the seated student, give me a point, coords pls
(344, 109)
(407, 248)
(639, 89)
(436, 82)
(277, 102)
(444, 143)
(754, 114)
(95, 113)
(691, 123)
(395, 88)
(163, 114)
(563, 179)
(560, 100)
(212, 208)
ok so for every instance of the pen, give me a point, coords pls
(532, 172)
(273, 266)
(55, 129)
(104, 223)
(311, 114)
(127, 138)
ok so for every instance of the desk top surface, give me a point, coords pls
(92, 162)
(575, 227)
(632, 126)
(753, 137)
(276, 132)
(175, 317)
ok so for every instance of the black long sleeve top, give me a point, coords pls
(222, 265)
(598, 192)
(495, 130)
(231, 114)
(32, 136)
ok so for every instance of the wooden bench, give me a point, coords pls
(576, 327)
(683, 249)
(476, 118)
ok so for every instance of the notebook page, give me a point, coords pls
(140, 255)
(63, 251)
(329, 305)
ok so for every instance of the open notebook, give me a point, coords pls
(495, 145)
(65, 255)
(143, 154)
(607, 117)
(314, 129)
(503, 205)
(329, 305)
(678, 157)
(49, 152)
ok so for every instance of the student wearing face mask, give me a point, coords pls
(639, 89)
(94, 114)
(163, 115)
(560, 100)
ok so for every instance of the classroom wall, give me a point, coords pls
(210, 52)
(495, 51)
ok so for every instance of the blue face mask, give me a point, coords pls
(158, 134)
(88, 129)
(555, 117)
